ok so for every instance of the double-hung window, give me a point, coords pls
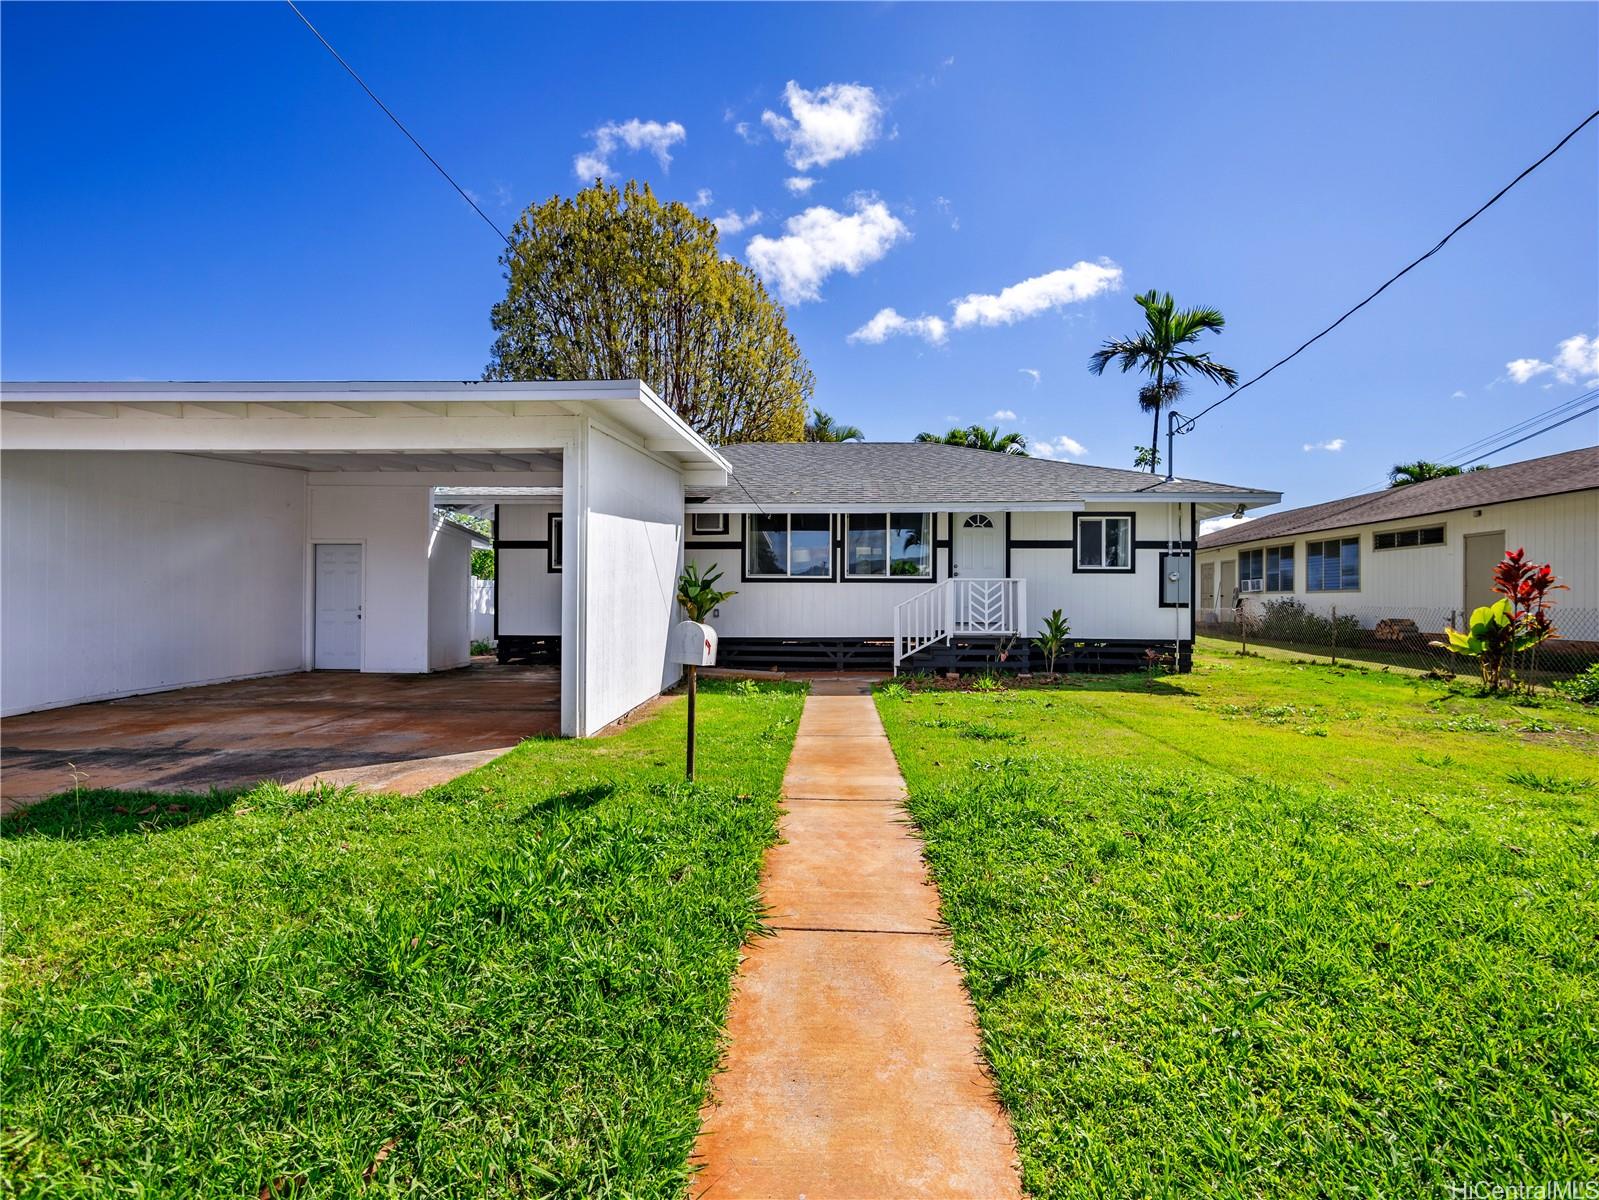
(1333, 565)
(1279, 568)
(789, 546)
(1103, 543)
(888, 545)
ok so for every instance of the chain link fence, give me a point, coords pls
(1399, 638)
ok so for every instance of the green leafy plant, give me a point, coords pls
(1584, 688)
(1288, 620)
(698, 594)
(482, 647)
(1051, 639)
(1517, 622)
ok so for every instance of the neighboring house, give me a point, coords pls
(1423, 552)
(923, 555)
(158, 536)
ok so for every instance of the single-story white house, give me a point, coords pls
(913, 556)
(157, 536)
(1425, 551)
(160, 535)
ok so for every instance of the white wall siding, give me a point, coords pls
(482, 610)
(1109, 605)
(136, 572)
(1560, 530)
(529, 593)
(449, 597)
(394, 523)
(632, 552)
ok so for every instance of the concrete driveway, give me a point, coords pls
(380, 732)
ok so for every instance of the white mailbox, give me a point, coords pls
(693, 644)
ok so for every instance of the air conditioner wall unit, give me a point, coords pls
(1252, 585)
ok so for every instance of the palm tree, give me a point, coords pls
(1405, 474)
(822, 428)
(1158, 352)
(979, 438)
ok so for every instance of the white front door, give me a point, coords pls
(337, 645)
(977, 551)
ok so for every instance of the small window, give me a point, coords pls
(789, 546)
(1279, 568)
(1251, 569)
(1333, 565)
(556, 525)
(708, 524)
(891, 545)
(1103, 543)
(978, 521)
(1401, 539)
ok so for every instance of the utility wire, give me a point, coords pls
(1494, 199)
(400, 125)
(1533, 434)
(1518, 427)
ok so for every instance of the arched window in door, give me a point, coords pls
(977, 521)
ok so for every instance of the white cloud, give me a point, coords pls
(1457, 395)
(747, 131)
(1523, 369)
(730, 223)
(654, 136)
(702, 199)
(1060, 447)
(948, 210)
(1003, 414)
(799, 185)
(821, 241)
(1032, 373)
(826, 125)
(1576, 360)
(1332, 447)
(888, 323)
(1212, 524)
(1082, 281)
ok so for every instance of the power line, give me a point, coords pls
(1533, 434)
(1442, 242)
(1512, 430)
(400, 125)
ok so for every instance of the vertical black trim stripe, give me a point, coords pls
(496, 532)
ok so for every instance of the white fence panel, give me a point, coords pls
(482, 610)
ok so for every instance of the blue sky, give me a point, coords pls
(196, 191)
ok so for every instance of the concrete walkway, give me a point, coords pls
(853, 1069)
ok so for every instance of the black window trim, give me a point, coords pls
(832, 551)
(841, 544)
(694, 520)
(1132, 544)
(555, 551)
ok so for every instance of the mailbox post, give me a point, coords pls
(692, 646)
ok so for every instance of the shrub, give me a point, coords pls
(1288, 620)
(1517, 622)
(1051, 639)
(1584, 688)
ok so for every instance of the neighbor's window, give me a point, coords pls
(1104, 543)
(555, 541)
(1333, 565)
(888, 544)
(1399, 539)
(1279, 568)
(1251, 569)
(789, 546)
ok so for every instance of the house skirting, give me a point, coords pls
(964, 655)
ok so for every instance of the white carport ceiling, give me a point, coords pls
(510, 461)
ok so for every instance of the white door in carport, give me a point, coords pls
(338, 608)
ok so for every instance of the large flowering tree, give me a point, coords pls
(1513, 624)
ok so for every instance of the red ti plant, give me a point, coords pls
(1515, 623)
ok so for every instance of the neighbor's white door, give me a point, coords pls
(977, 551)
(338, 608)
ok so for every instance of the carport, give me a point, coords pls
(174, 535)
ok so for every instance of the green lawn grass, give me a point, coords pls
(1272, 930)
(511, 985)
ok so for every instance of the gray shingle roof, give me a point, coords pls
(1573, 471)
(927, 474)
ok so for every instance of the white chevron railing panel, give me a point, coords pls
(957, 608)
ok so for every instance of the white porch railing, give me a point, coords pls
(959, 608)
